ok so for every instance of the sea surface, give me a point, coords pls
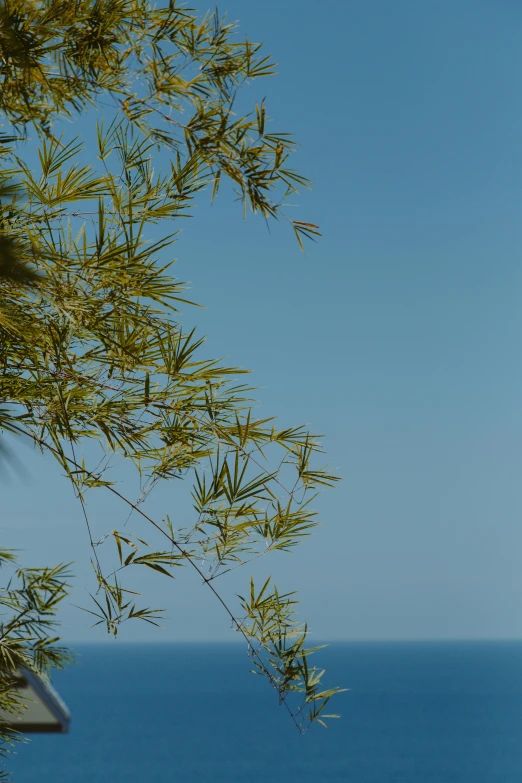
(416, 713)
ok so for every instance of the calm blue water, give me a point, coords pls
(416, 713)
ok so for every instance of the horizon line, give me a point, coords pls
(240, 642)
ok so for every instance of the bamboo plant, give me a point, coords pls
(92, 346)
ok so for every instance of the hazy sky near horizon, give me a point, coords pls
(398, 335)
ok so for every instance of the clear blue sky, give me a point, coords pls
(399, 335)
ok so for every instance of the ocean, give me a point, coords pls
(415, 713)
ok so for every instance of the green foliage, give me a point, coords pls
(27, 632)
(277, 646)
(91, 345)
